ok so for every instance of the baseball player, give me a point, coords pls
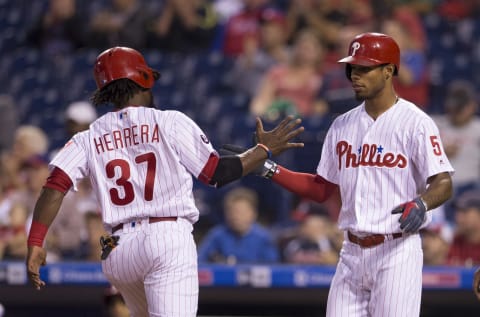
(140, 161)
(476, 283)
(386, 158)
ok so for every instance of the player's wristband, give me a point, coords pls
(269, 169)
(38, 231)
(263, 146)
(423, 202)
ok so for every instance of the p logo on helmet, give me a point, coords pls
(372, 49)
(355, 47)
(123, 62)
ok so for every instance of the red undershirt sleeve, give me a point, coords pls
(59, 180)
(310, 186)
(209, 169)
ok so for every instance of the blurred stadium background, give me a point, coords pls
(42, 86)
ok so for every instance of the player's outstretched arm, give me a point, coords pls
(46, 209)
(310, 186)
(476, 283)
(229, 168)
(271, 142)
(279, 138)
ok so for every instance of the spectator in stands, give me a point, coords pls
(78, 116)
(91, 249)
(241, 239)
(465, 248)
(326, 18)
(336, 89)
(123, 23)
(60, 29)
(412, 80)
(8, 122)
(186, 26)
(242, 27)
(314, 242)
(459, 128)
(28, 141)
(261, 54)
(35, 171)
(13, 233)
(16, 206)
(225, 9)
(293, 87)
(456, 10)
(436, 241)
(68, 229)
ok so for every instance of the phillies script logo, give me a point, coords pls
(368, 155)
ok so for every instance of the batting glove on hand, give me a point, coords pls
(266, 170)
(413, 215)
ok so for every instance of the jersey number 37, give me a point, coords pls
(123, 180)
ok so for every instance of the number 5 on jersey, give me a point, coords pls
(437, 149)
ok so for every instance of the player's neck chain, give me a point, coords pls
(396, 100)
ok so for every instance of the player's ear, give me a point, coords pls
(388, 70)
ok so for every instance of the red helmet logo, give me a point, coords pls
(372, 49)
(355, 47)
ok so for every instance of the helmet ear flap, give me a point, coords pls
(348, 71)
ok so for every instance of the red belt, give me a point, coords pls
(372, 240)
(150, 220)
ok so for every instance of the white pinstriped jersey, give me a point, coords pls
(140, 161)
(380, 164)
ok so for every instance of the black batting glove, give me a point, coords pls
(413, 215)
(266, 170)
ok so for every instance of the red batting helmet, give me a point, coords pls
(123, 62)
(371, 49)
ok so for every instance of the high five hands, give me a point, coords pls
(278, 139)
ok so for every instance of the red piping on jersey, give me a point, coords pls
(306, 185)
(59, 180)
(208, 170)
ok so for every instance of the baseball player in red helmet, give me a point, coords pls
(476, 283)
(140, 161)
(387, 160)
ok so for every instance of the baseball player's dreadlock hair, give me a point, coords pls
(117, 93)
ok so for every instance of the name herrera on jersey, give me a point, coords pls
(368, 155)
(134, 135)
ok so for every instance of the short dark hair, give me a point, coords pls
(117, 93)
(459, 94)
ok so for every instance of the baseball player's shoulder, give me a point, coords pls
(415, 114)
(80, 137)
(347, 117)
(408, 106)
(169, 114)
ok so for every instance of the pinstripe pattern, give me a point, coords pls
(384, 281)
(156, 264)
(379, 164)
(369, 192)
(180, 152)
(140, 162)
